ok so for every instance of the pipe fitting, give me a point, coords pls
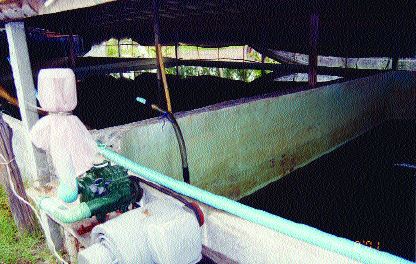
(62, 214)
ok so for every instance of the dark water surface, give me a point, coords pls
(356, 191)
(104, 101)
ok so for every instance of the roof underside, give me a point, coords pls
(353, 28)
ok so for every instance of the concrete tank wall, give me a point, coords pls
(237, 147)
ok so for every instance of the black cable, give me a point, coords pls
(193, 206)
(179, 136)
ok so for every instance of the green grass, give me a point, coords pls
(15, 248)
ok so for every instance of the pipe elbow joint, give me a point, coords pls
(62, 214)
(66, 193)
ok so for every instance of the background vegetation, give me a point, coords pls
(127, 48)
(15, 248)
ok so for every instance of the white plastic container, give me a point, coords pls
(96, 254)
(160, 232)
(173, 234)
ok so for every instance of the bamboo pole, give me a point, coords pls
(6, 96)
(161, 67)
(13, 101)
(22, 214)
(163, 75)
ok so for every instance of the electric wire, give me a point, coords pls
(42, 224)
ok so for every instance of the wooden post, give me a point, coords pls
(177, 57)
(156, 29)
(22, 213)
(118, 48)
(220, 70)
(244, 60)
(119, 55)
(313, 52)
(395, 63)
(23, 80)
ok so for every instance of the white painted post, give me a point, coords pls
(23, 80)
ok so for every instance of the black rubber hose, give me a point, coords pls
(182, 147)
(178, 133)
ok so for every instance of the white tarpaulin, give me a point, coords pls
(71, 146)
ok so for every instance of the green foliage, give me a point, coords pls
(129, 48)
(171, 70)
(126, 51)
(152, 52)
(111, 47)
(168, 51)
(15, 248)
(253, 74)
(185, 48)
(269, 60)
(112, 51)
(112, 41)
(233, 74)
(253, 55)
(208, 71)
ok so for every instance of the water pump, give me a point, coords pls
(106, 188)
(103, 189)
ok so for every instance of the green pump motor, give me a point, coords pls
(106, 188)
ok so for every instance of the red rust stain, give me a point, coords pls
(77, 245)
(369, 118)
(338, 135)
(235, 192)
(146, 212)
(288, 163)
(309, 129)
(83, 229)
(347, 131)
(238, 191)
